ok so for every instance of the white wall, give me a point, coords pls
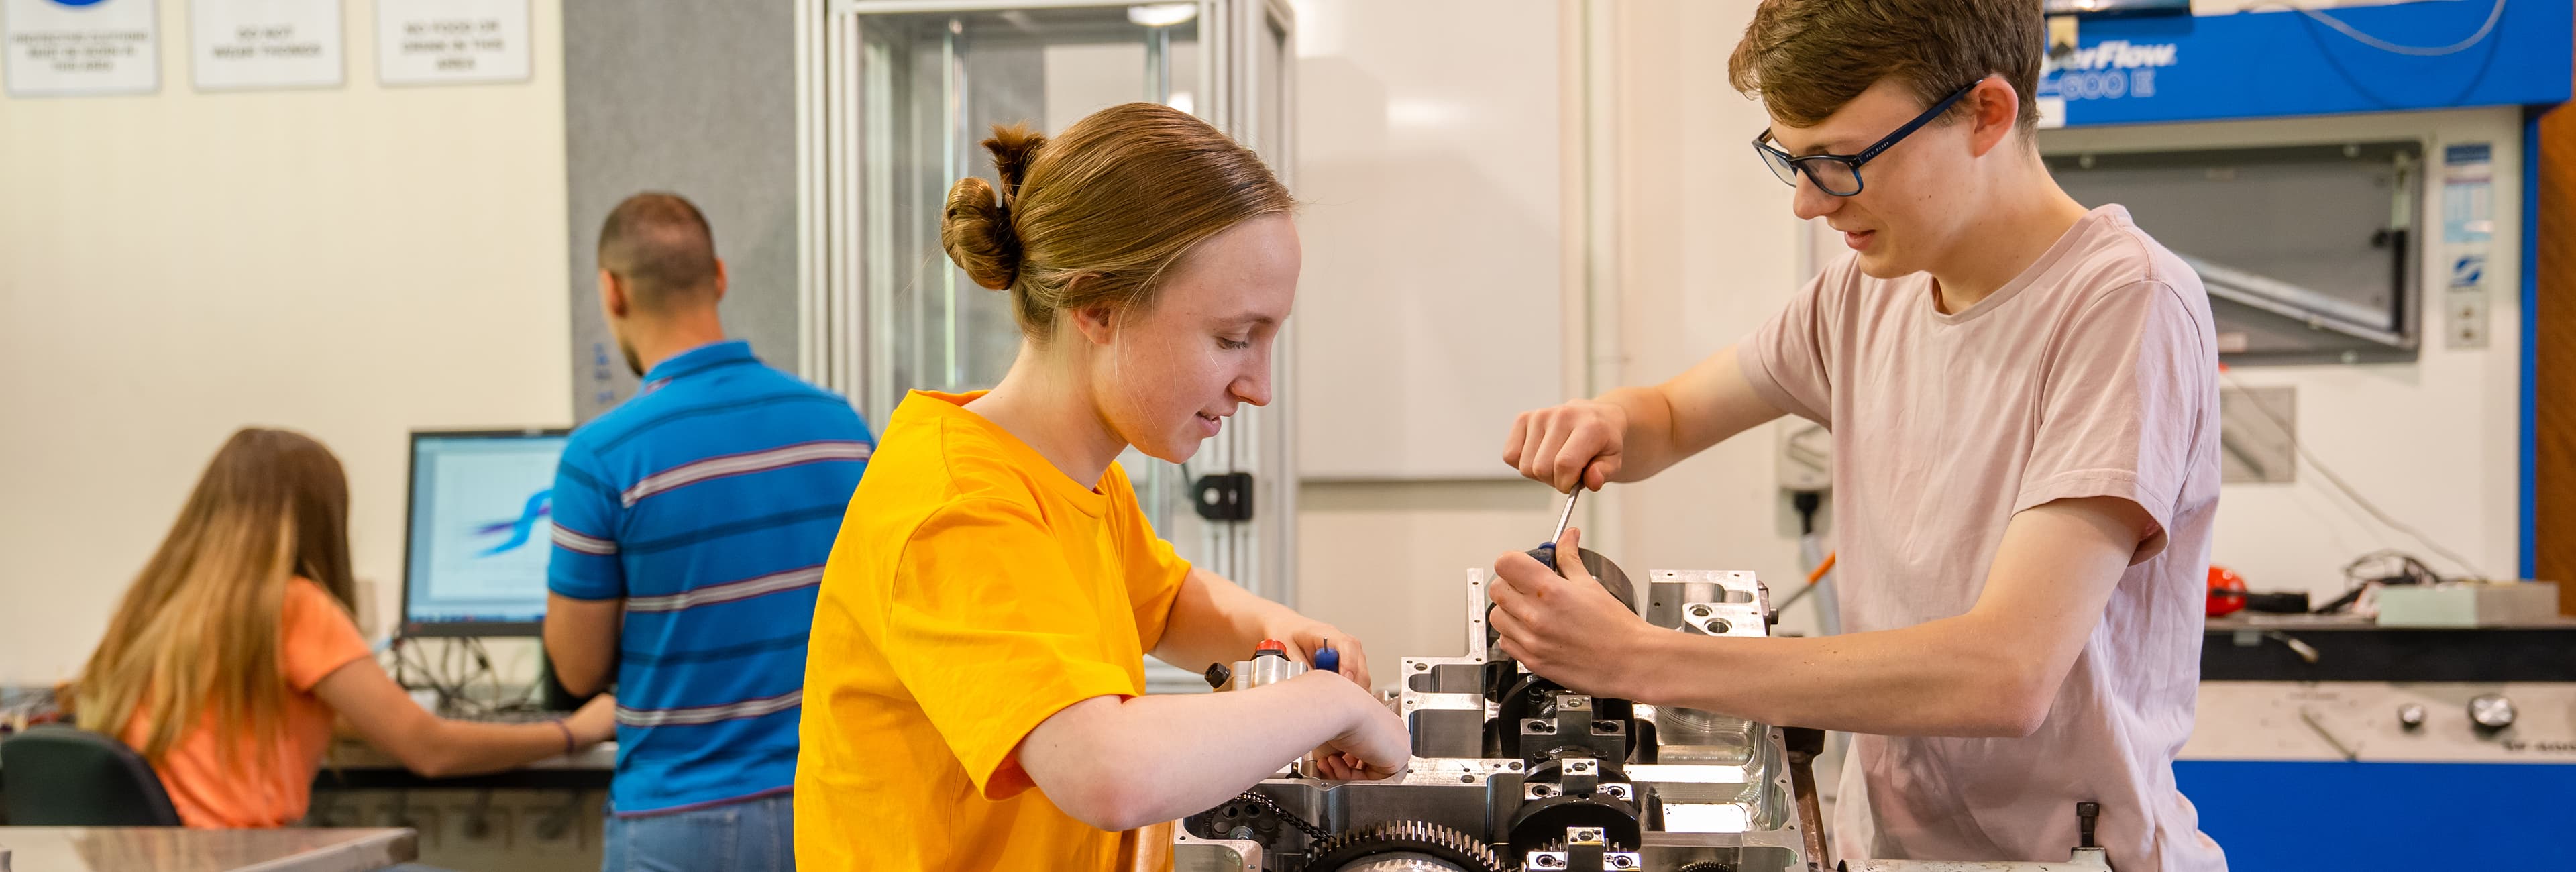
(1433, 223)
(352, 262)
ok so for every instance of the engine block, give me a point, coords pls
(1512, 771)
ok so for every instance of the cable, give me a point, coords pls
(2349, 492)
(1813, 576)
(2411, 50)
(1821, 568)
(2408, 571)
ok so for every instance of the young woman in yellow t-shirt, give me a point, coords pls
(986, 611)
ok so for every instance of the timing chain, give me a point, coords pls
(1312, 831)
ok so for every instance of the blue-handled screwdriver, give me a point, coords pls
(1546, 551)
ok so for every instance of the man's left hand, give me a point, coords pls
(1567, 629)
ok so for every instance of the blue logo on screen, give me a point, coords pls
(539, 505)
(78, 2)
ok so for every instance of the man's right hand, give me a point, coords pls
(1578, 443)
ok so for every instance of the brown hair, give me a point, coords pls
(1095, 215)
(661, 246)
(199, 630)
(1807, 58)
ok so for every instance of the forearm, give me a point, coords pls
(1161, 757)
(1214, 620)
(446, 748)
(1647, 446)
(1944, 678)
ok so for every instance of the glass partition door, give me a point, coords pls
(897, 98)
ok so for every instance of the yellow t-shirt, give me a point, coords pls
(974, 592)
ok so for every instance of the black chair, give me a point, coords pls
(60, 776)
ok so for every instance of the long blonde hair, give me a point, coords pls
(200, 629)
(1095, 215)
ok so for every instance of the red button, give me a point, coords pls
(1271, 645)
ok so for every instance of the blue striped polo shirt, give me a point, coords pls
(708, 503)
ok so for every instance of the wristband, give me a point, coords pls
(567, 734)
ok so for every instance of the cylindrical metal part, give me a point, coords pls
(1259, 671)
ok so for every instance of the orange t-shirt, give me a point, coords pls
(318, 639)
(974, 592)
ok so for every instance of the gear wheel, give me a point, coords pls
(1541, 821)
(1459, 850)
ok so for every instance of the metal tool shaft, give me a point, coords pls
(1568, 517)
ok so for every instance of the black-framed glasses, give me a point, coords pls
(1839, 174)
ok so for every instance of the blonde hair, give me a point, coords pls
(199, 630)
(1094, 216)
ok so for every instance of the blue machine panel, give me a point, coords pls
(2337, 816)
(2284, 63)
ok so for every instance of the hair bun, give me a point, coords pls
(976, 227)
(977, 234)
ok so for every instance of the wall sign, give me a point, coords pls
(65, 48)
(248, 44)
(2274, 63)
(2468, 231)
(445, 42)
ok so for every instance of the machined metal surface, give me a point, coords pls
(1663, 789)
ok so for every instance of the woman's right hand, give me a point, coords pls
(1578, 444)
(594, 722)
(1374, 746)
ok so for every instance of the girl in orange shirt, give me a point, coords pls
(230, 654)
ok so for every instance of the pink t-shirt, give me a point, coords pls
(2093, 373)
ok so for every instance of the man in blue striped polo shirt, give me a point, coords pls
(691, 526)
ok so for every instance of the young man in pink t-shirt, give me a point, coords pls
(2024, 405)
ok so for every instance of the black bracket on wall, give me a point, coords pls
(1225, 496)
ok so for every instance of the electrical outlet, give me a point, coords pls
(2465, 314)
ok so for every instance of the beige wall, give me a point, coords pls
(351, 262)
(1706, 250)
